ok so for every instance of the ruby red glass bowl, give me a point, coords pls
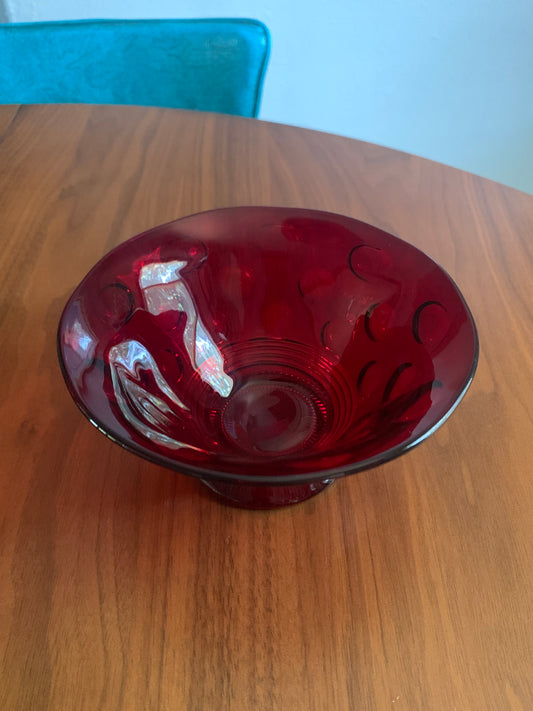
(267, 351)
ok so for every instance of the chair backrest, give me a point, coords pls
(211, 65)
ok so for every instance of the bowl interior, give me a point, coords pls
(267, 343)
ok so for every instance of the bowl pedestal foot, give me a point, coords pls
(247, 496)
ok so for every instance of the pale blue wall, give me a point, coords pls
(452, 81)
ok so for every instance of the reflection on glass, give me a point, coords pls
(147, 411)
(165, 290)
(80, 339)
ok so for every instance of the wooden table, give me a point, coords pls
(124, 586)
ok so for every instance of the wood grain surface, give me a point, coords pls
(126, 587)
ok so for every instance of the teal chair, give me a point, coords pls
(210, 65)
